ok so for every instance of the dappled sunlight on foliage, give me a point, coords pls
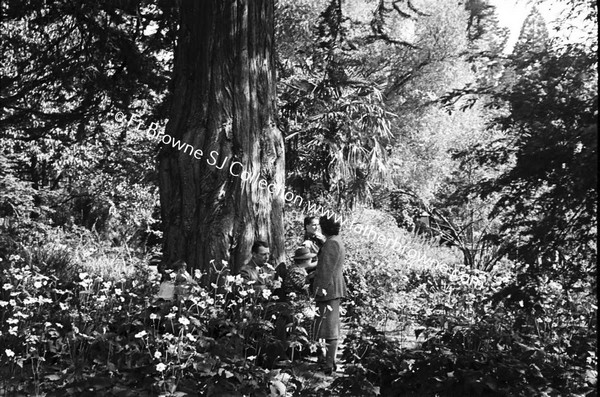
(473, 344)
(113, 335)
(459, 156)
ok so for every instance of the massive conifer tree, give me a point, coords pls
(224, 104)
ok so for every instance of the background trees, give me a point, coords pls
(549, 118)
(68, 68)
(359, 93)
(418, 118)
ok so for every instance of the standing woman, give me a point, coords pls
(329, 288)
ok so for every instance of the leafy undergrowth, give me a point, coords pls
(67, 330)
(481, 336)
(93, 336)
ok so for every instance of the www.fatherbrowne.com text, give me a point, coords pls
(238, 170)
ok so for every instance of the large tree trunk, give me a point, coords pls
(223, 102)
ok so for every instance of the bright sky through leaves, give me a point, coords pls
(512, 14)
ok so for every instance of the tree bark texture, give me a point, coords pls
(223, 102)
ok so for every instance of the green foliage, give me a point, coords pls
(119, 202)
(377, 271)
(476, 343)
(52, 84)
(538, 164)
(105, 335)
(63, 161)
(359, 86)
(548, 198)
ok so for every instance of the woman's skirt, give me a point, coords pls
(327, 320)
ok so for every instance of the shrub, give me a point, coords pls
(377, 273)
(476, 345)
(109, 336)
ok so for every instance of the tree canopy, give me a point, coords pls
(145, 145)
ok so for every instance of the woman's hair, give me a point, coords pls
(329, 226)
(308, 220)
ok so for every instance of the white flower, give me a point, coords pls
(191, 337)
(184, 321)
(554, 285)
(141, 334)
(324, 292)
(239, 280)
(160, 367)
(13, 330)
(309, 312)
(63, 306)
(83, 275)
(170, 316)
(3, 303)
(12, 321)
(37, 284)
(222, 371)
(9, 353)
(32, 339)
(12, 302)
(266, 293)
(157, 354)
(243, 293)
(153, 316)
(118, 291)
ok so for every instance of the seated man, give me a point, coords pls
(255, 269)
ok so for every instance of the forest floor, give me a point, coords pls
(308, 369)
